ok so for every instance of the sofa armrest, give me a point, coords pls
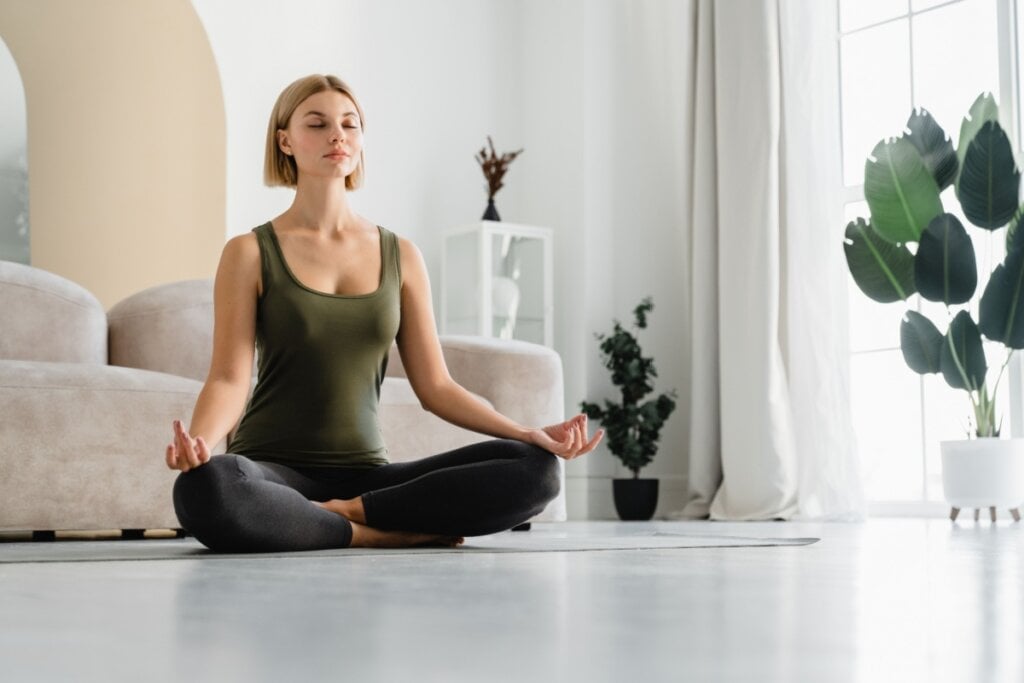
(521, 379)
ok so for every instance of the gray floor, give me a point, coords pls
(887, 600)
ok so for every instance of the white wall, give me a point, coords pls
(606, 84)
(594, 90)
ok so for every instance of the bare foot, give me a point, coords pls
(367, 537)
(351, 510)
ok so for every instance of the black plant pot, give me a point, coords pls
(491, 214)
(635, 499)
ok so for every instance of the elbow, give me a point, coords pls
(428, 405)
(434, 398)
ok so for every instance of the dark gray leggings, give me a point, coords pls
(234, 504)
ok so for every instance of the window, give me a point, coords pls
(896, 55)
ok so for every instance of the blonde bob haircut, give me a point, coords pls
(278, 167)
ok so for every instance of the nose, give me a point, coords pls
(338, 133)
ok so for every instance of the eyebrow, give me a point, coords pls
(317, 113)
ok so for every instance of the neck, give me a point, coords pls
(321, 204)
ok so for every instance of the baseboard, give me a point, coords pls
(591, 497)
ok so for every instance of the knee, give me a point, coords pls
(545, 473)
(551, 476)
(197, 491)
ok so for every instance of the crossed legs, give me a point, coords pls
(234, 504)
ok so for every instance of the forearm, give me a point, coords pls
(456, 405)
(217, 410)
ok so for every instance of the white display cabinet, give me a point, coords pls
(496, 281)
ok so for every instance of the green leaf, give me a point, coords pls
(641, 311)
(989, 178)
(934, 146)
(901, 193)
(921, 343)
(963, 359)
(883, 271)
(592, 410)
(1015, 237)
(984, 109)
(944, 267)
(1001, 312)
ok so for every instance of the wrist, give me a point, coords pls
(527, 436)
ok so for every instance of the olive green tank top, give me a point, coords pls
(322, 359)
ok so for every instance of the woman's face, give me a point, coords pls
(324, 136)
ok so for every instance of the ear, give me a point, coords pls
(283, 143)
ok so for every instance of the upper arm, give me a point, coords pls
(417, 339)
(235, 291)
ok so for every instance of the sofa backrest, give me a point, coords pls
(167, 328)
(45, 317)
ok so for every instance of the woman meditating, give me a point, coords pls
(323, 293)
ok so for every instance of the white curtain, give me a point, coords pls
(769, 422)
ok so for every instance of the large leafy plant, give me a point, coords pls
(910, 244)
(632, 427)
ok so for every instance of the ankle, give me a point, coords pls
(360, 535)
(354, 510)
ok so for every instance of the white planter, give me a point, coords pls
(982, 473)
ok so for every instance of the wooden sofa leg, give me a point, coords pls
(133, 534)
(525, 526)
(44, 536)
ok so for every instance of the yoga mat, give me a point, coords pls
(509, 542)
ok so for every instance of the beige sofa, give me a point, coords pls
(87, 398)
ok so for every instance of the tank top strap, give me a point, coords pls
(392, 258)
(272, 267)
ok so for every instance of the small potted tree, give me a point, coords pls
(910, 244)
(633, 428)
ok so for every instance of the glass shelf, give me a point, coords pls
(496, 281)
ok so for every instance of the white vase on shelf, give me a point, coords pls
(504, 305)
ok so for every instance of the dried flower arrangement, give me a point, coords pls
(494, 168)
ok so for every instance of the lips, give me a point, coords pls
(336, 155)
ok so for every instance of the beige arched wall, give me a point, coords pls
(126, 141)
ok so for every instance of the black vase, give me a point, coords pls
(491, 214)
(635, 499)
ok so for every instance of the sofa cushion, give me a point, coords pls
(46, 317)
(167, 328)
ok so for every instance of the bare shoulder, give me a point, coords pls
(414, 268)
(409, 251)
(243, 246)
(240, 260)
